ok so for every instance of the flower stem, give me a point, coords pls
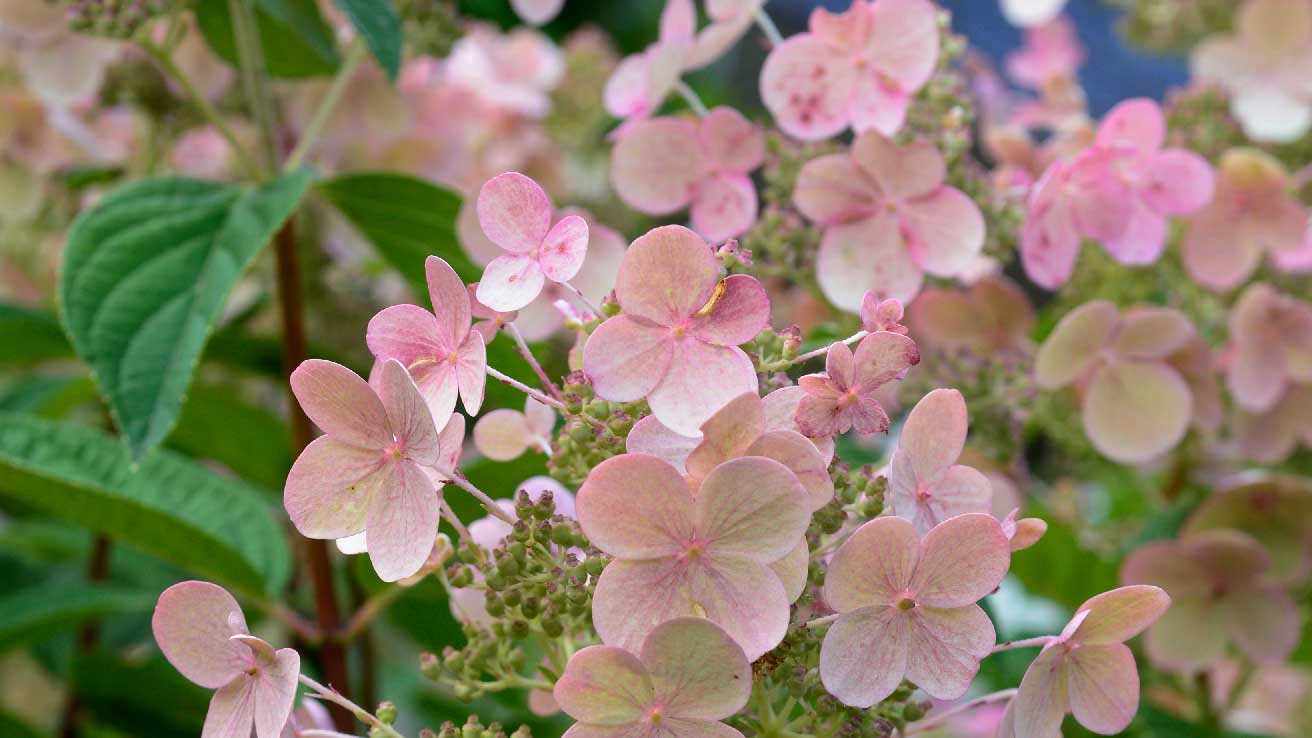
(821, 621)
(535, 394)
(1026, 643)
(454, 520)
(583, 298)
(767, 26)
(254, 77)
(324, 112)
(689, 96)
(527, 353)
(488, 503)
(370, 609)
(934, 721)
(332, 695)
(825, 349)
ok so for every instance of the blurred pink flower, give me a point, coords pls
(490, 322)
(990, 315)
(1270, 437)
(642, 81)
(1052, 51)
(203, 153)
(881, 315)
(537, 12)
(1271, 339)
(843, 397)
(63, 67)
(926, 485)
(1276, 510)
(505, 434)
(514, 71)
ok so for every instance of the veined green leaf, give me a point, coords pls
(296, 41)
(380, 27)
(42, 610)
(29, 336)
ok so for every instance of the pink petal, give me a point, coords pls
(341, 403)
(515, 213)
(802, 458)
(833, 189)
(1188, 637)
(510, 282)
(727, 434)
(450, 299)
(402, 522)
(471, 372)
(1049, 240)
(1075, 344)
(958, 490)
(1179, 182)
(1137, 123)
(406, 333)
(1142, 237)
(1103, 685)
(701, 379)
(793, 570)
(193, 625)
(934, 433)
(656, 165)
(636, 506)
(537, 12)
(819, 415)
(678, 21)
(330, 487)
(407, 413)
(962, 560)
(904, 41)
(882, 357)
(945, 647)
(1121, 614)
(564, 248)
(697, 670)
(1041, 701)
(540, 418)
(878, 105)
(807, 86)
(1152, 333)
(840, 365)
(1134, 411)
(752, 507)
(604, 685)
(232, 710)
(502, 435)
(946, 231)
(874, 566)
(732, 141)
(724, 206)
(649, 436)
(867, 416)
(667, 275)
(626, 357)
(1263, 621)
(864, 655)
(904, 171)
(275, 693)
(866, 256)
(1256, 375)
(438, 384)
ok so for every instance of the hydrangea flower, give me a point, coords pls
(781, 414)
(202, 632)
(61, 66)
(677, 341)
(881, 315)
(1253, 212)
(440, 350)
(1133, 404)
(677, 554)
(859, 68)
(367, 473)
(908, 607)
(1270, 437)
(1271, 339)
(490, 322)
(1276, 510)
(1119, 191)
(1219, 595)
(515, 71)
(926, 485)
(729, 21)
(686, 677)
(1087, 670)
(504, 434)
(991, 315)
(1051, 55)
(662, 165)
(843, 397)
(537, 12)
(515, 213)
(888, 219)
(642, 81)
(1263, 66)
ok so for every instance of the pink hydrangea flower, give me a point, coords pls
(663, 165)
(1219, 594)
(926, 485)
(859, 68)
(490, 322)
(1270, 437)
(505, 434)
(1271, 336)
(991, 315)
(1087, 670)
(440, 350)
(677, 341)
(888, 219)
(1275, 510)
(843, 397)
(368, 472)
(1024, 532)
(642, 81)
(202, 632)
(515, 213)
(1253, 212)
(63, 67)
(687, 675)
(908, 607)
(1052, 54)
(1134, 405)
(729, 21)
(202, 153)
(1263, 66)
(881, 315)
(537, 12)
(678, 554)
(515, 71)
(781, 414)
(1119, 191)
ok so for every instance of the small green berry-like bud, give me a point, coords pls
(594, 565)
(519, 629)
(386, 712)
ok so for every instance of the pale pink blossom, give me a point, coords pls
(203, 153)
(1052, 54)
(642, 81)
(1024, 532)
(926, 485)
(490, 322)
(444, 356)
(1197, 365)
(505, 434)
(1219, 595)
(61, 66)
(1253, 212)
(311, 715)
(681, 680)
(678, 554)
(1276, 510)
(515, 71)
(537, 12)
(1270, 437)
(888, 219)
(843, 397)
(781, 414)
(1088, 670)
(729, 21)
(1134, 404)
(908, 607)
(881, 315)
(663, 165)
(991, 315)
(201, 630)
(1271, 346)
(368, 472)
(676, 342)
(859, 68)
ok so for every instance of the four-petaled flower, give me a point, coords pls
(1271, 337)
(504, 434)
(993, 314)
(926, 485)
(843, 397)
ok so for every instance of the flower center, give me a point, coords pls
(906, 603)
(655, 715)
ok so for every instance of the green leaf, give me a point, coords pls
(380, 26)
(145, 276)
(12, 727)
(261, 452)
(38, 612)
(1060, 568)
(167, 505)
(29, 336)
(405, 218)
(296, 41)
(131, 693)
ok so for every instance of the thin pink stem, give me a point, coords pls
(582, 298)
(821, 621)
(527, 353)
(535, 394)
(934, 721)
(1026, 643)
(488, 503)
(825, 349)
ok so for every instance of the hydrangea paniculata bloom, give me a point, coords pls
(1134, 405)
(514, 71)
(1276, 510)
(1269, 437)
(677, 341)
(926, 485)
(439, 349)
(859, 68)
(908, 607)
(371, 471)
(662, 165)
(687, 675)
(881, 315)
(888, 219)
(202, 632)
(992, 314)
(504, 434)
(515, 213)
(1271, 339)
(1051, 55)
(642, 81)
(677, 554)
(537, 12)
(843, 397)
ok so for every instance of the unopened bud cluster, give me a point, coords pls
(113, 18)
(473, 728)
(594, 430)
